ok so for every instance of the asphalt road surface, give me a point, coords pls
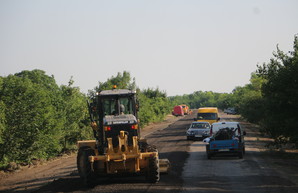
(191, 171)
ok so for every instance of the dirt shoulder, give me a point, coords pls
(30, 178)
(283, 160)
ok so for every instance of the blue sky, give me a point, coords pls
(179, 46)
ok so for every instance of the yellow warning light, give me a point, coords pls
(115, 86)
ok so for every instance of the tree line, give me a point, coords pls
(40, 120)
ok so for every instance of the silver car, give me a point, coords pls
(198, 130)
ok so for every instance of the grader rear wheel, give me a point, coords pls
(84, 166)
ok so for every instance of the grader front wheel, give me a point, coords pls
(153, 174)
(84, 166)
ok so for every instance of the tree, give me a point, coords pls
(39, 119)
(122, 81)
(154, 93)
(154, 106)
(248, 99)
(2, 115)
(280, 93)
(32, 127)
(74, 115)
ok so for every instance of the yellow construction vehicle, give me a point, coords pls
(117, 148)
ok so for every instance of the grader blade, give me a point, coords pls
(164, 166)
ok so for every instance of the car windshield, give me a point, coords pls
(207, 116)
(200, 126)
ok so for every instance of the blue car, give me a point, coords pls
(227, 138)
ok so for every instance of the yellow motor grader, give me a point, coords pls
(117, 148)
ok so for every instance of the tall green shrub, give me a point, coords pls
(75, 116)
(32, 128)
(280, 94)
(248, 99)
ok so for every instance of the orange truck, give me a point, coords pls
(186, 109)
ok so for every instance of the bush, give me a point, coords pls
(37, 117)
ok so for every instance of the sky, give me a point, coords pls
(178, 46)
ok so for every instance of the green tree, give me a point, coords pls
(248, 99)
(122, 81)
(39, 119)
(2, 121)
(280, 93)
(32, 126)
(74, 115)
(224, 100)
(153, 108)
(154, 93)
(2, 115)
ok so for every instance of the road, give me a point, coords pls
(254, 173)
(191, 171)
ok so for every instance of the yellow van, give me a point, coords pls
(207, 114)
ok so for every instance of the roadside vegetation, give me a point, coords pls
(280, 96)
(39, 119)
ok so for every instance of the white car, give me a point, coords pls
(198, 129)
(230, 111)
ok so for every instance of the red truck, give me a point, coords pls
(178, 111)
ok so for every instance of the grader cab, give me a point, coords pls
(117, 148)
